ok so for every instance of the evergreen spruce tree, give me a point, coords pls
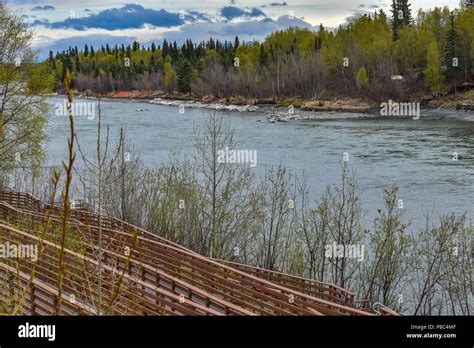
(166, 49)
(395, 19)
(211, 44)
(175, 52)
(452, 53)
(262, 57)
(77, 65)
(184, 72)
(406, 12)
(401, 15)
(135, 46)
(151, 67)
(236, 43)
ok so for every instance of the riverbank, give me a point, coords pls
(239, 103)
(452, 107)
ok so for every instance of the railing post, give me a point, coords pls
(33, 299)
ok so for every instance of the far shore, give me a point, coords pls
(460, 107)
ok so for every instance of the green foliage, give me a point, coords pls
(389, 260)
(22, 109)
(362, 79)
(465, 29)
(452, 54)
(436, 22)
(169, 74)
(293, 40)
(184, 73)
(401, 15)
(372, 37)
(410, 49)
(433, 73)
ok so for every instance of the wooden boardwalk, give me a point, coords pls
(141, 273)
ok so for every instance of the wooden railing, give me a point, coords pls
(173, 272)
(33, 297)
(129, 296)
(27, 202)
(314, 288)
(35, 222)
(224, 284)
(113, 255)
(169, 262)
(322, 290)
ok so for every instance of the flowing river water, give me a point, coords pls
(417, 156)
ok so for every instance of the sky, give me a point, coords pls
(59, 24)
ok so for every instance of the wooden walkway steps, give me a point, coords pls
(141, 273)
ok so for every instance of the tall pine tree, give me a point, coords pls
(184, 72)
(236, 42)
(452, 52)
(401, 16)
(406, 12)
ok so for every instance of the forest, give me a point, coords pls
(432, 50)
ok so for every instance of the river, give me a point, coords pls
(417, 156)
